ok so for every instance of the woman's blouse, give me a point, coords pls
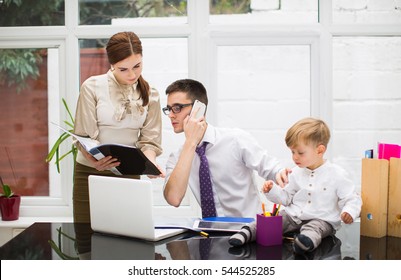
(110, 112)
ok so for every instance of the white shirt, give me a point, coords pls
(323, 193)
(233, 155)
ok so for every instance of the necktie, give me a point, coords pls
(206, 192)
(204, 248)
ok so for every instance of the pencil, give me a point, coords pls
(263, 209)
(278, 209)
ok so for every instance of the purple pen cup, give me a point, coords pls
(269, 230)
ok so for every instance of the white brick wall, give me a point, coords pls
(305, 11)
(271, 91)
(353, 5)
(367, 97)
(367, 11)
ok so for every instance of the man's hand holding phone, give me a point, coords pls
(198, 110)
(195, 124)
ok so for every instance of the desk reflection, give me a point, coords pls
(193, 247)
(117, 248)
(47, 241)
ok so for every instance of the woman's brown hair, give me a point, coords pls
(122, 45)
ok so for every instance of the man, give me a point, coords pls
(232, 156)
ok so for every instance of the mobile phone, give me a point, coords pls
(202, 109)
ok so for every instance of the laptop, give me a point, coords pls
(122, 206)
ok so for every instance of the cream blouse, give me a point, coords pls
(113, 113)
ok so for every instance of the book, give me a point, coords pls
(386, 151)
(132, 160)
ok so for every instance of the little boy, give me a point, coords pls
(319, 195)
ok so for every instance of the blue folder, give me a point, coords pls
(229, 219)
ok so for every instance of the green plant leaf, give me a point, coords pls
(57, 160)
(66, 154)
(68, 111)
(7, 192)
(55, 150)
(58, 248)
(70, 125)
(56, 146)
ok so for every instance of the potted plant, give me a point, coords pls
(9, 203)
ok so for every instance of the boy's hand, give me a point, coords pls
(282, 177)
(267, 186)
(346, 218)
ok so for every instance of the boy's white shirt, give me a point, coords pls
(323, 193)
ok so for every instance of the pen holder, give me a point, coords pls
(269, 230)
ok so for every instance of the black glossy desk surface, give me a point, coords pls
(55, 241)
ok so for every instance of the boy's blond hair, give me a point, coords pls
(308, 131)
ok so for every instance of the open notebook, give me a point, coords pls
(123, 206)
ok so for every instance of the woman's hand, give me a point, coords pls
(105, 163)
(161, 175)
(151, 155)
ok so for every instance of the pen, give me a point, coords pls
(205, 234)
(274, 209)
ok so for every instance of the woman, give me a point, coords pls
(116, 107)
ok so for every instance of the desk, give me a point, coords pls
(77, 241)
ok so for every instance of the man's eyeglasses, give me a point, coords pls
(176, 108)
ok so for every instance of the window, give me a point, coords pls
(28, 84)
(111, 12)
(24, 116)
(32, 13)
(271, 12)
